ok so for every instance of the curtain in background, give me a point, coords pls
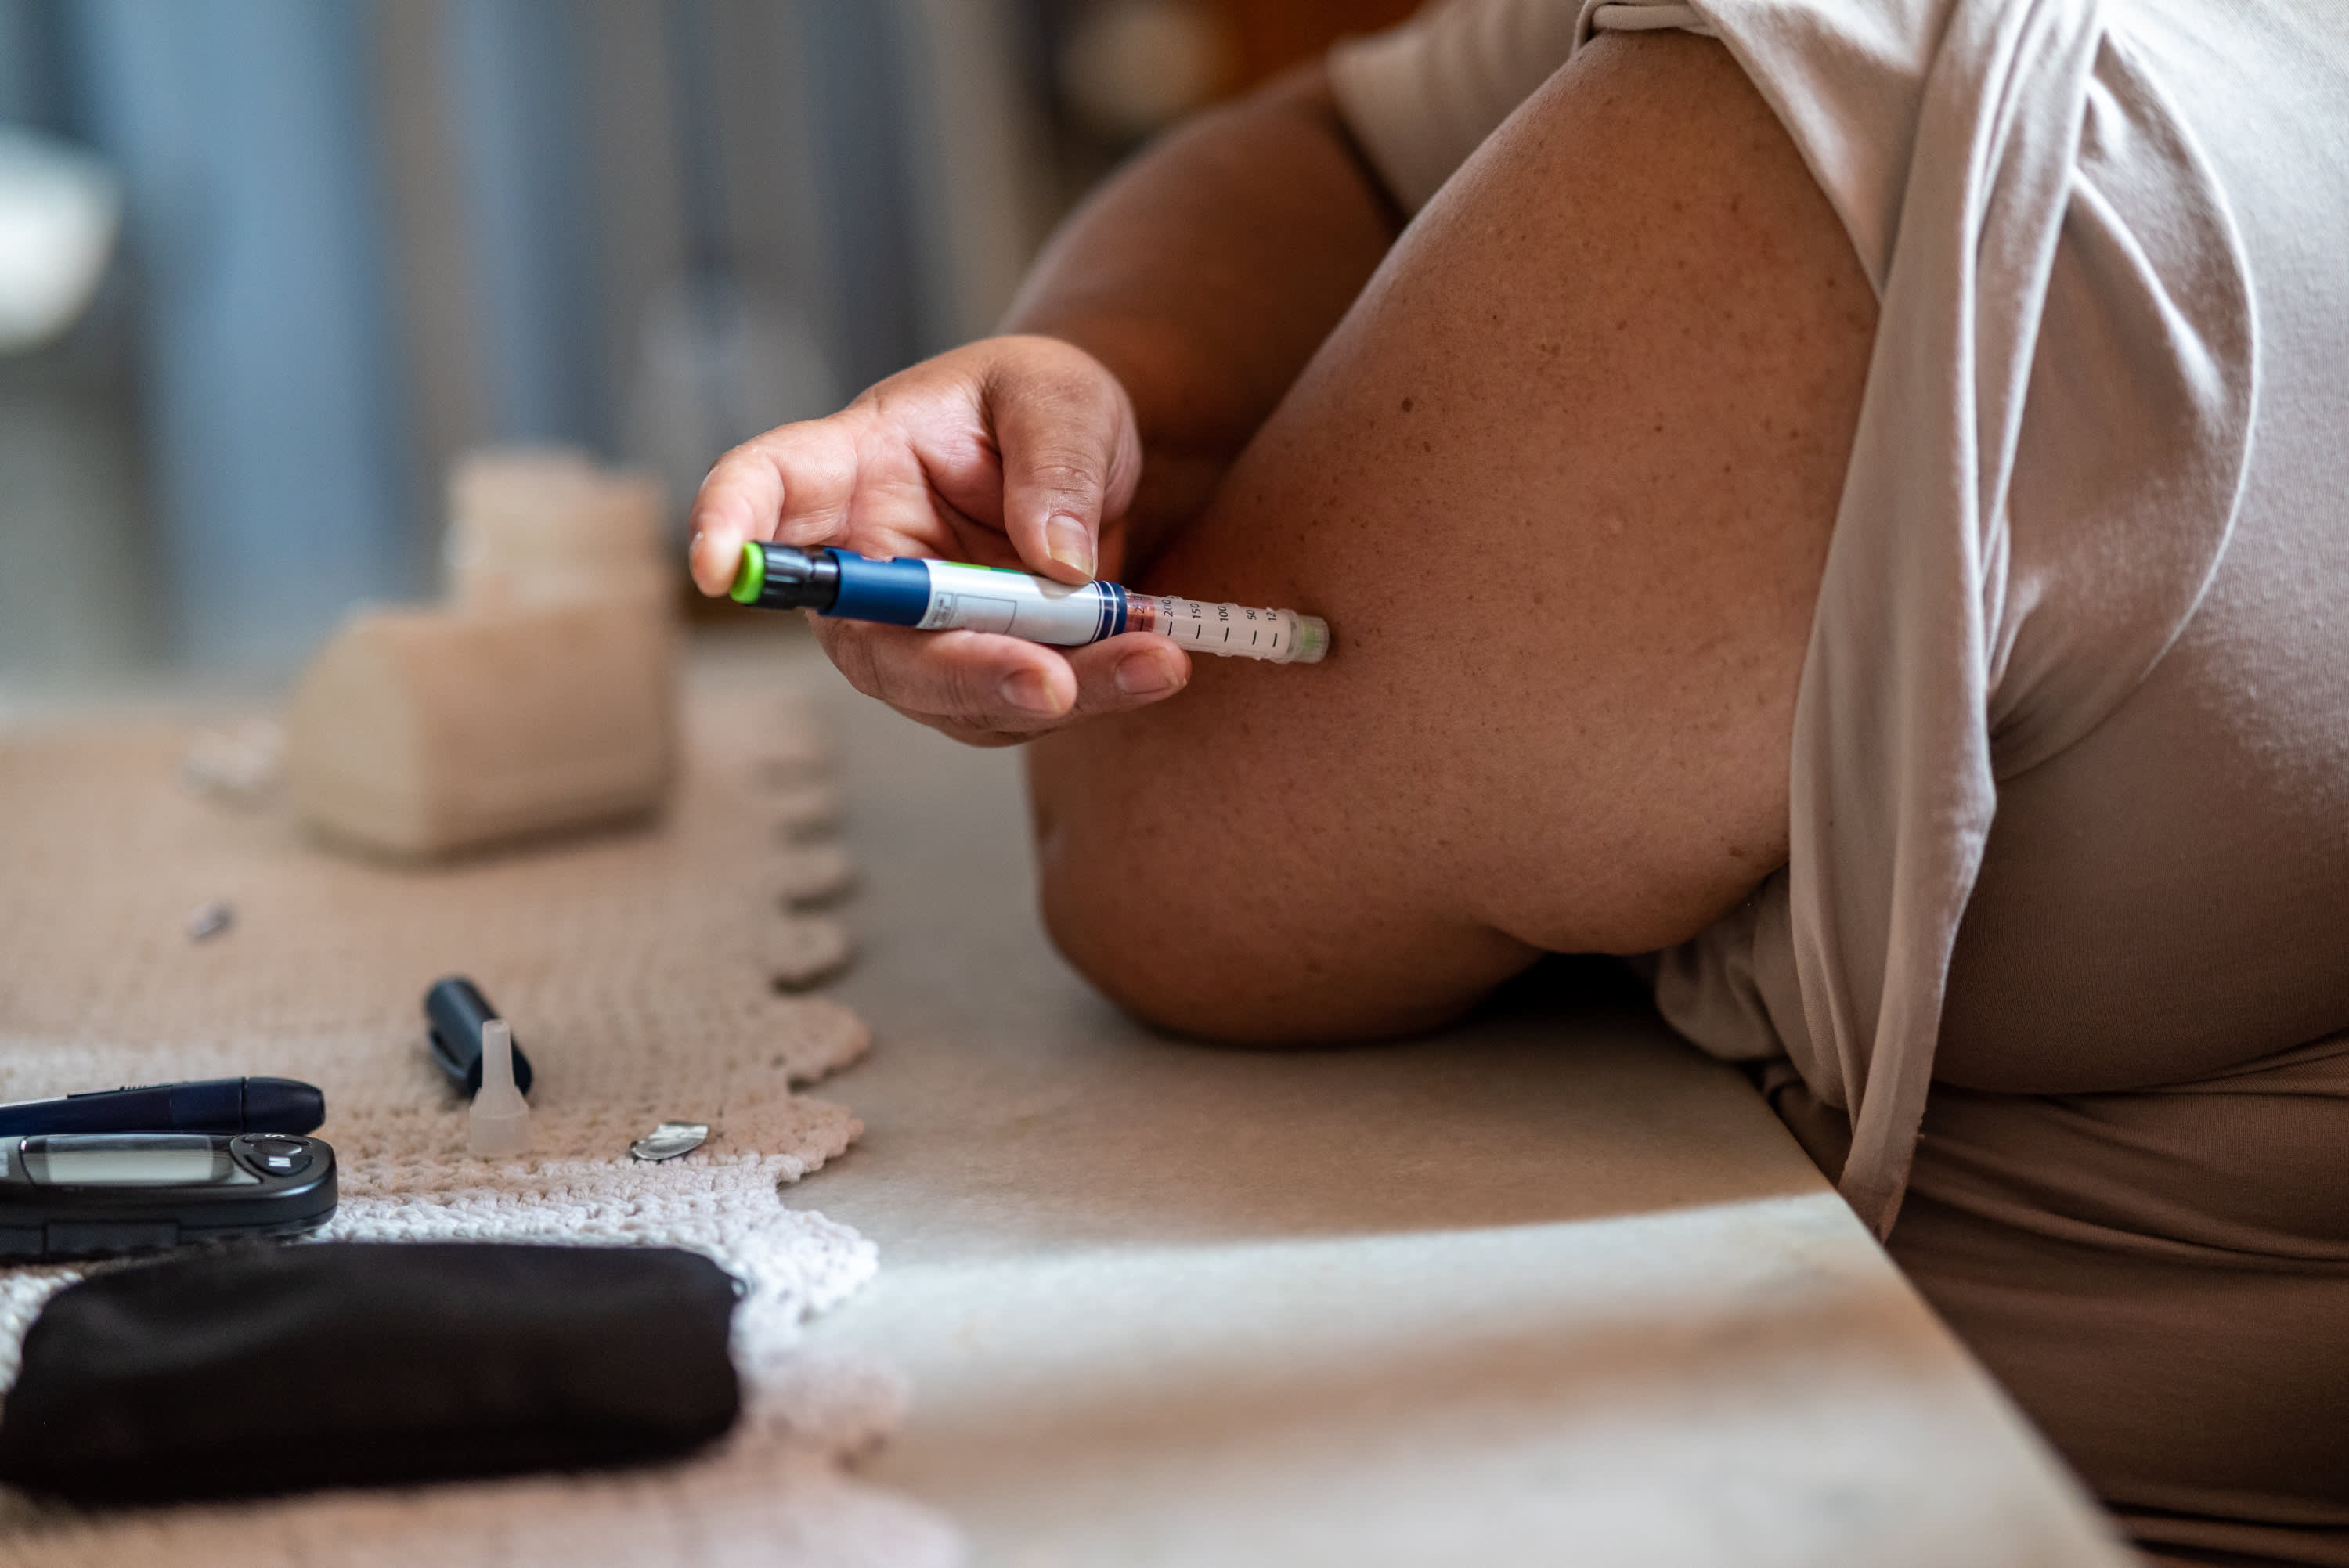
(361, 235)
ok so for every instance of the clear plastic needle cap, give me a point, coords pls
(500, 1123)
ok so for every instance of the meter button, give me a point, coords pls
(276, 1156)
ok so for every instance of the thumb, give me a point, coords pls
(1071, 458)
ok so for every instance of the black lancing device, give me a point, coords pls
(226, 1105)
(454, 1012)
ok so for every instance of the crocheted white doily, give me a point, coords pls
(647, 975)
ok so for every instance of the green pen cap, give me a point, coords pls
(749, 577)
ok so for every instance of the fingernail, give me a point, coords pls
(1066, 541)
(1027, 691)
(1140, 673)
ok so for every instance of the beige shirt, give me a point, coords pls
(2067, 588)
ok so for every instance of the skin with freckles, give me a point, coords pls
(1559, 465)
(1562, 481)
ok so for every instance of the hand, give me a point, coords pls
(1011, 451)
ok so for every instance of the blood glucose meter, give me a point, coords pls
(82, 1194)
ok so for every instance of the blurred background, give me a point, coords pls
(267, 266)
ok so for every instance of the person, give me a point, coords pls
(1840, 502)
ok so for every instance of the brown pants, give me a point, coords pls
(2161, 1280)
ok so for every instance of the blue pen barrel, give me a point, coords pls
(895, 592)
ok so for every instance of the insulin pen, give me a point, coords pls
(207, 1104)
(946, 595)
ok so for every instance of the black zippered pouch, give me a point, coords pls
(258, 1369)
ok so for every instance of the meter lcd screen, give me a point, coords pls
(162, 1161)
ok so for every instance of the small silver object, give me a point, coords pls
(208, 921)
(670, 1140)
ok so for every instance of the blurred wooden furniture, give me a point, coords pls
(1270, 36)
